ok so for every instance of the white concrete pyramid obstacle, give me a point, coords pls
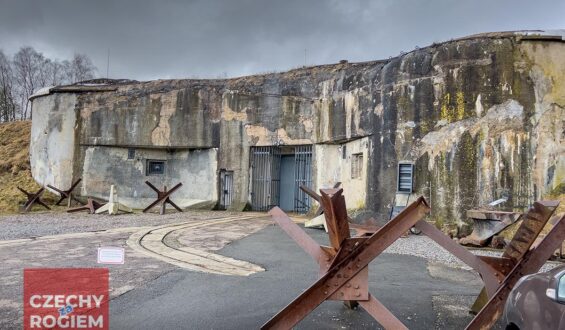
(113, 206)
(317, 222)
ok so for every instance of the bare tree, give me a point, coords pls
(29, 71)
(7, 97)
(80, 68)
(29, 76)
(57, 73)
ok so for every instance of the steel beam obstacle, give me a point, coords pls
(163, 197)
(533, 222)
(520, 258)
(343, 265)
(360, 230)
(317, 197)
(344, 272)
(66, 193)
(91, 206)
(33, 198)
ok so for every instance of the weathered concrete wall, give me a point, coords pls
(545, 66)
(52, 147)
(480, 117)
(471, 115)
(334, 164)
(155, 114)
(196, 169)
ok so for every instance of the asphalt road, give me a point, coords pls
(182, 299)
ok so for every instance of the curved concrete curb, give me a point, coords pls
(151, 242)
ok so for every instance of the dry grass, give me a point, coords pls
(14, 147)
(15, 167)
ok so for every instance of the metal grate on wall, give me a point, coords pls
(265, 185)
(302, 177)
(266, 180)
(226, 189)
(405, 177)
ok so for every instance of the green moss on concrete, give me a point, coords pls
(466, 163)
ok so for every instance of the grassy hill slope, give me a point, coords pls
(15, 167)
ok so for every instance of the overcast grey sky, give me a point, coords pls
(207, 38)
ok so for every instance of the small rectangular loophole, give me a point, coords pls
(155, 167)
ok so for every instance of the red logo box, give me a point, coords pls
(67, 298)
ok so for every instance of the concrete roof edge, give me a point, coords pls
(41, 92)
(105, 85)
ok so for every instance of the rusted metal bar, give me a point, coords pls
(163, 197)
(532, 224)
(529, 264)
(364, 230)
(306, 242)
(91, 206)
(354, 259)
(380, 312)
(345, 277)
(336, 216)
(66, 193)
(489, 274)
(33, 198)
(317, 197)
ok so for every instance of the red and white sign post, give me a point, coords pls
(67, 298)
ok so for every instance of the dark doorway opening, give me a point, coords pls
(277, 172)
(226, 189)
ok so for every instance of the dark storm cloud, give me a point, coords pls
(176, 39)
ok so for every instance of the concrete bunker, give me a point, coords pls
(475, 116)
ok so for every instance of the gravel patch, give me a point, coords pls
(53, 223)
(452, 311)
(424, 247)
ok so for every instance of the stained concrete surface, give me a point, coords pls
(187, 300)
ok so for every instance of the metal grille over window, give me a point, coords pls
(405, 177)
(356, 166)
(131, 153)
(155, 167)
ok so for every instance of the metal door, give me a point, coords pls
(265, 177)
(288, 183)
(226, 189)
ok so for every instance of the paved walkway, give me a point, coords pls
(422, 295)
(179, 272)
(79, 249)
(188, 244)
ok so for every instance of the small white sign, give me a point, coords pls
(498, 201)
(111, 255)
